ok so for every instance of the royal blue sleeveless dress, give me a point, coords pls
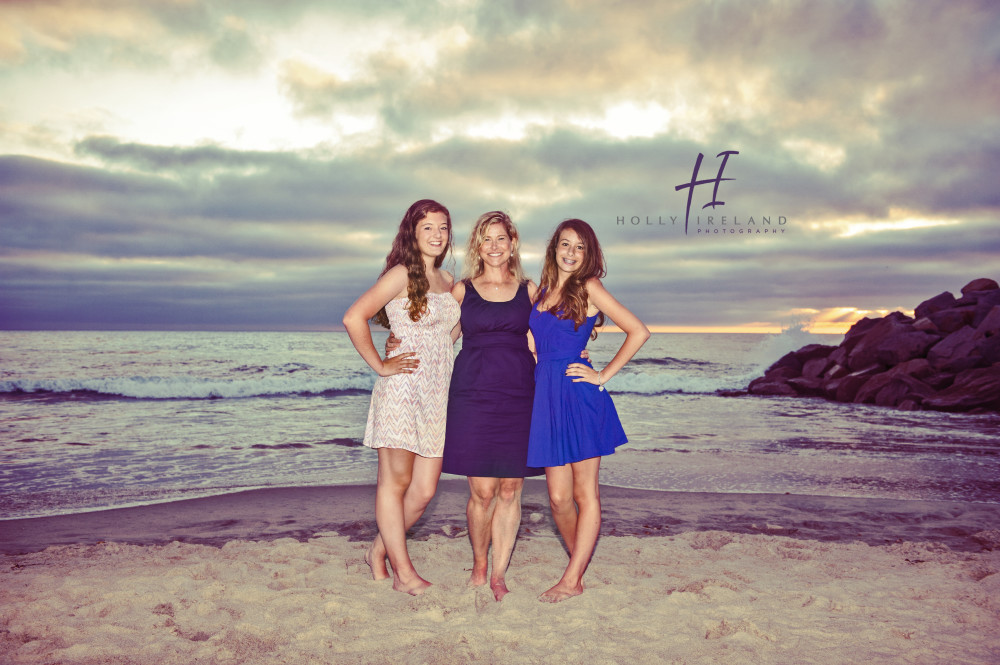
(570, 422)
(492, 388)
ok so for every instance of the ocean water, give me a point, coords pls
(91, 420)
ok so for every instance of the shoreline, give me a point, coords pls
(348, 510)
(173, 497)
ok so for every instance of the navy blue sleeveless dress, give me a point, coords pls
(570, 422)
(492, 389)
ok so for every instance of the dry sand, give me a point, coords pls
(277, 576)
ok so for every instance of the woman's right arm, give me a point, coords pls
(390, 285)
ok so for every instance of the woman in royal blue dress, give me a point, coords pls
(574, 422)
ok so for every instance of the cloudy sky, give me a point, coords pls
(243, 164)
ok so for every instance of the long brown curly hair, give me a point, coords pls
(573, 299)
(474, 262)
(405, 251)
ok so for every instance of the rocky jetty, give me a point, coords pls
(945, 358)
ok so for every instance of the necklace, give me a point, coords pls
(496, 285)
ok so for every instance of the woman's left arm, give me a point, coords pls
(636, 334)
(458, 293)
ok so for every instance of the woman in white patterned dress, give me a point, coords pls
(406, 419)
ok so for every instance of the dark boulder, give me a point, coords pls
(839, 356)
(990, 325)
(981, 284)
(848, 387)
(988, 349)
(856, 333)
(866, 393)
(813, 351)
(807, 386)
(975, 389)
(918, 368)
(984, 305)
(773, 387)
(900, 348)
(903, 388)
(865, 351)
(892, 389)
(935, 304)
(952, 319)
(956, 352)
(787, 361)
(816, 367)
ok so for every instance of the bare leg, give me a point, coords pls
(479, 512)
(375, 558)
(587, 497)
(506, 522)
(423, 484)
(398, 470)
(564, 511)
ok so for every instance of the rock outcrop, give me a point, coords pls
(946, 358)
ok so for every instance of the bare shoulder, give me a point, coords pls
(532, 289)
(458, 291)
(594, 284)
(397, 278)
(396, 272)
(390, 286)
(599, 298)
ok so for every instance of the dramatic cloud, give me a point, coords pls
(227, 164)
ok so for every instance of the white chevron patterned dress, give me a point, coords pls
(408, 410)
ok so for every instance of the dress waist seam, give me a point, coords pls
(547, 356)
(504, 339)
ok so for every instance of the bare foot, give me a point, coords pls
(377, 564)
(499, 588)
(561, 592)
(478, 577)
(414, 588)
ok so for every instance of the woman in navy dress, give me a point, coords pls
(574, 421)
(491, 394)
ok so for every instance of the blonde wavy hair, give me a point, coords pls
(474, 262)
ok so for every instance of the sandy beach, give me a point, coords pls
(277, 576)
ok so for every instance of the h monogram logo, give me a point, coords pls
(695, 182)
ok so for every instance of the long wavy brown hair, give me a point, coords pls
(474, 262)
(573, 299)
(405, 251)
